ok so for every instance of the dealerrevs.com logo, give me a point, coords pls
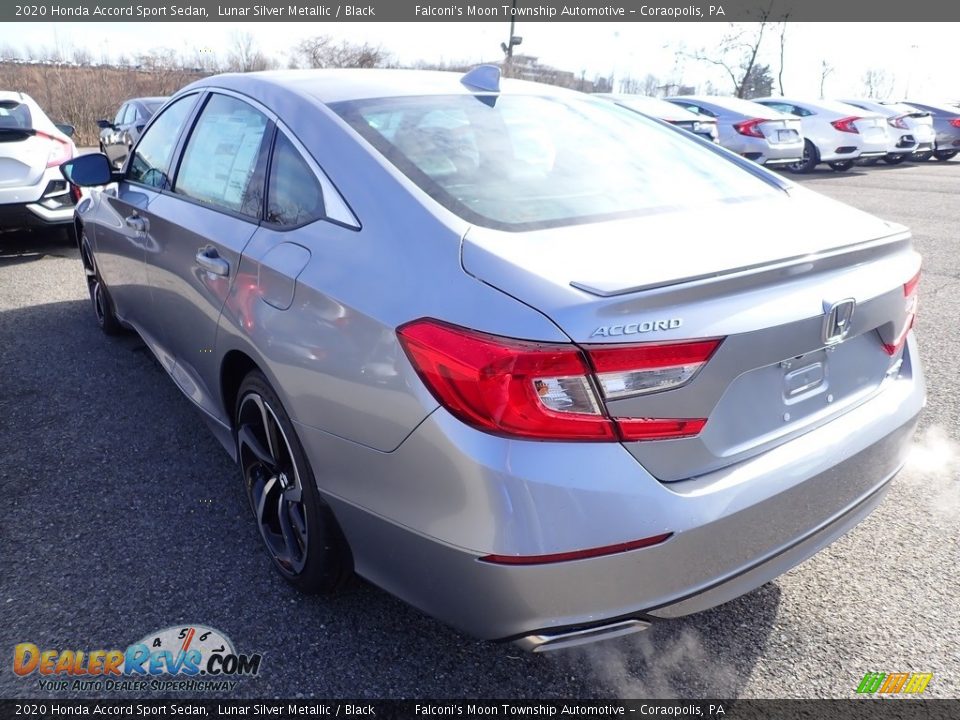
(190, 658)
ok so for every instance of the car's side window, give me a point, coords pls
(294, 196)
(130, 115)
(781, 107)
(151, 157)
(700, 110)
(220, 161)
(118, 120)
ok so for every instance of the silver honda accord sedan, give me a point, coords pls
(544, 368)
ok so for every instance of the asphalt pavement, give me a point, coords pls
(121, 515)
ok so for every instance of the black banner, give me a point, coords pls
(868, 709)
(854, 11)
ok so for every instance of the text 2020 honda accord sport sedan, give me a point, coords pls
(542, 367)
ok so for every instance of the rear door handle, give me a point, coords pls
(135, 222)
(209, 260)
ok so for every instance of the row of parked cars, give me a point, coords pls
(797, 134)
(801, 134)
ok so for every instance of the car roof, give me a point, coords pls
(835, 106)
(652, 106)
(739, 105)
(15, 95)
(332, 86)
(876, 106)
(155, 99)
(940, 107)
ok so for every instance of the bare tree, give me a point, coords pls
(82, 56)
(245, 55)
(737, 51)
(651, 85)
(826, 70)
(877, 84)
(636, 86)
(783, 46)
(322, 51)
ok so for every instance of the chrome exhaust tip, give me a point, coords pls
(545, 642)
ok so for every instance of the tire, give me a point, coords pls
(894, 159)
(810, 159)
(922, 157)
(100, 299)
(841, 166)
(298, 529)
(944, 155)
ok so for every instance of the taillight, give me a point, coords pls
(846, 124)
(899, 121)
(546, 391)
(750, 128)
(911, 303)
(955, 122)
(60, 151)
(625, 371)
(76, 193)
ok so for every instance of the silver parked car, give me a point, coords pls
(834, 133)
(946, 124)
(909, 130)
(757, 133)
(119, 135)
(705, 127)
(528, 362)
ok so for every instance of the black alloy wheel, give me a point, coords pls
(299, 530)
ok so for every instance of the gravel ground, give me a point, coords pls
(122, 516)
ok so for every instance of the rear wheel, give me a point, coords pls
(99, 295)
(944, 155)
(810, 159)
(299, 530)
(894, 159)
(841, 166)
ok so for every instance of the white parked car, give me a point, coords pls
(835, 133)
(33, 192)
(909, 129)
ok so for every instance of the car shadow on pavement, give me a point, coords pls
(125, 517)
(26, 246)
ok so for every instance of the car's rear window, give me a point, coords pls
(519, 162)
(14, 115)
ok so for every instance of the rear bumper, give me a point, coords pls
(421, 517)
(22, 216)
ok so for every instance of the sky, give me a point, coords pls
(918, 58)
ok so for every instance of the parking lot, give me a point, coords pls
(122, 515)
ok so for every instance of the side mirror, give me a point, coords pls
(88, 170)
(105, 125)
(66, 128)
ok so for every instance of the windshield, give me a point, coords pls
(524, 162)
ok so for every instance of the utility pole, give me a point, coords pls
(514, 40)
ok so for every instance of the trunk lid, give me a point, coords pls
(23, 156)
(873, 128)
(758, 273)
(783, 131)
